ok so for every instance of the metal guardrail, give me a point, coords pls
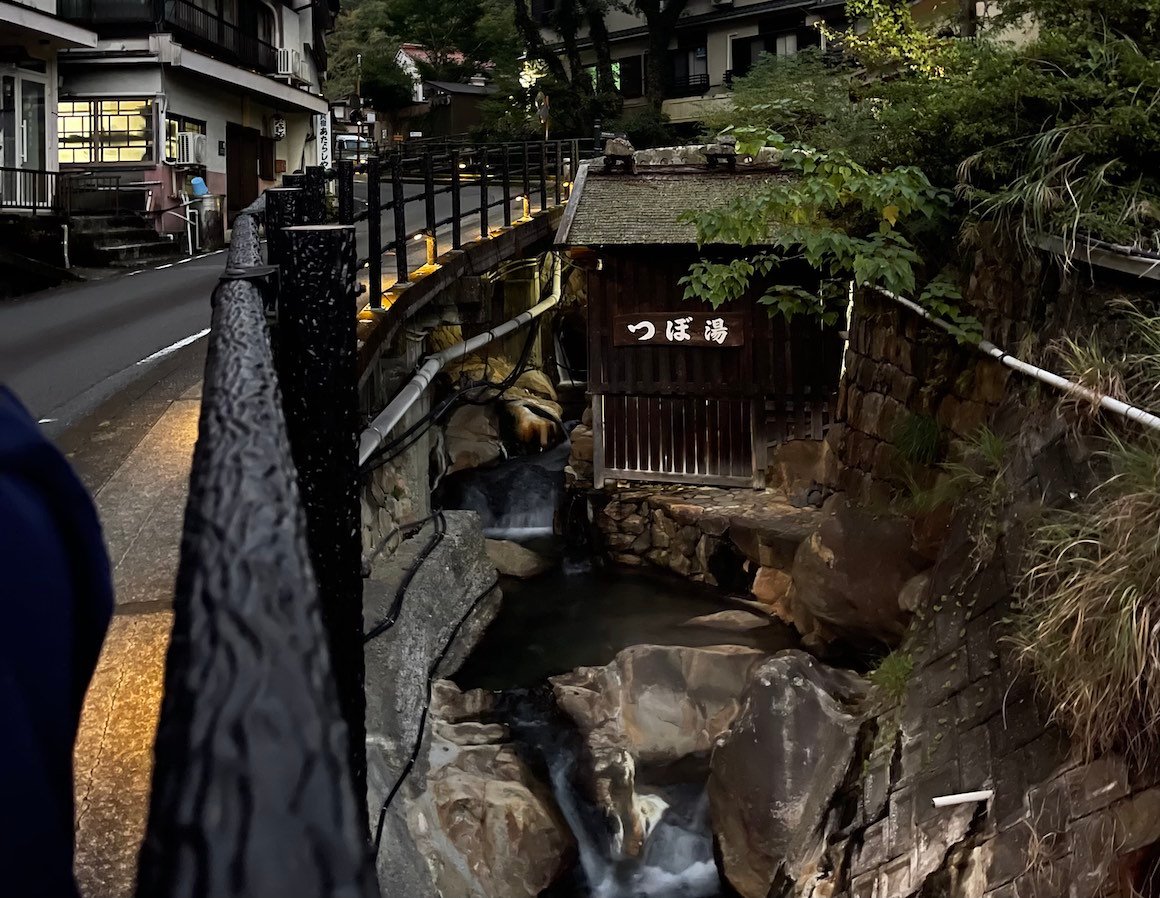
(482, 180)
(252, 791)
(258, 790)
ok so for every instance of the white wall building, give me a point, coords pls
(229, 90)
(30, 38)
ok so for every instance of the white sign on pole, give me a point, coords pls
(322, 135)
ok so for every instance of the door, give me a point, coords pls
(242, 150)
(24, 141)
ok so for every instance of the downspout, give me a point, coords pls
(380, 428)
(1131, 412)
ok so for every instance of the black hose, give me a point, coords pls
(396, 608)
(431, 672)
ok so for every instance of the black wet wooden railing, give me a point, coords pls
(252, 791)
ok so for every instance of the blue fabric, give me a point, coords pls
(56, 598)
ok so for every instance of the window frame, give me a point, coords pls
(92, 142)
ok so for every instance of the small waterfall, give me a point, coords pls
(516, 499)
(677, 860)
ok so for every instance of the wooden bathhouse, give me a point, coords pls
(680, 392)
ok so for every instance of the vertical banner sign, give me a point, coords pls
(322, 135)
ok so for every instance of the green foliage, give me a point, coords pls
(892, 38)
(917, 438)
(644, 128)
(847, 223)
(892, 675)
(976, 470)
(366, 29)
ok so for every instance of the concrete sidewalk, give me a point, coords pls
(134, 454)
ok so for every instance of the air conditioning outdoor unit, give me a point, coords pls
(289, 62)
(190, 148)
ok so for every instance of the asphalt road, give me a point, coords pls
(65, 351)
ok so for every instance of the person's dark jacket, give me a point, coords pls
(56, 598)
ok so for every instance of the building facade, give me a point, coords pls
(715, 41)
(31, 38)
(226, 90)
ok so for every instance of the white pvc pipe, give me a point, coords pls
(944, 801)
(1131, 412)
(386, 420)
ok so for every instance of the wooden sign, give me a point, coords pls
(703, 329)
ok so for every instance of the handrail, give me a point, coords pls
(252, 794)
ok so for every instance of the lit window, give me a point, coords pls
(93, 131)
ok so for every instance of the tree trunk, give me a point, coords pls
(566, 19)
(598, 31)
(662, 25)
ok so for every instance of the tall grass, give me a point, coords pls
(1089, 621)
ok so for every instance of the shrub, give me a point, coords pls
(644, 128)
(892, 674)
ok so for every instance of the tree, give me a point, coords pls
(661, 18)
(364, 30)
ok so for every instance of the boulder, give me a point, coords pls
(442, 606)
(535, 422)
(513, 560)
(772, 588)
(733, 621)
(773, 775)
(849, 572)
(537, 383)
(796, 467)
(486, 826)
(582, 445)
(653, 705)
(472, 438)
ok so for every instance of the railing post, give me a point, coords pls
(399, 201)
(527, 175)
(374, 233)
(346, 192)
(283, 210)
(559, 172)
(505, 173)
(543, 175)
(456, 202)
(315, 210)
(429, 197)
(484, 198)
(317, 373)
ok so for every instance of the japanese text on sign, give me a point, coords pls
(679, 329)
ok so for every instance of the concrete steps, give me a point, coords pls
(123, 240)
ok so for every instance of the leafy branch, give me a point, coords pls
(850, 225)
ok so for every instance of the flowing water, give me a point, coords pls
(677, 858)
(578, 615)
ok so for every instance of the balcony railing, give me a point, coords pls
(688, 86)
(201, 27)
(30, 188)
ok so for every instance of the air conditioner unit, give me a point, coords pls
(190, 148)
(289, 62)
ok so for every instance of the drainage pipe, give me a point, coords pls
(1131, 412)
(386, 420)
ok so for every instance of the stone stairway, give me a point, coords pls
(121, 240)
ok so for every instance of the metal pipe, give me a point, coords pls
(945, 801)
(1131, 412)
(380, 428)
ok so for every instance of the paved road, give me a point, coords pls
(64, 351)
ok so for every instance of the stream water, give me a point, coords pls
(578, 615)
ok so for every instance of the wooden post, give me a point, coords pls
(346, 192)
(317, 362)
(399, 203)
(456, 202)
